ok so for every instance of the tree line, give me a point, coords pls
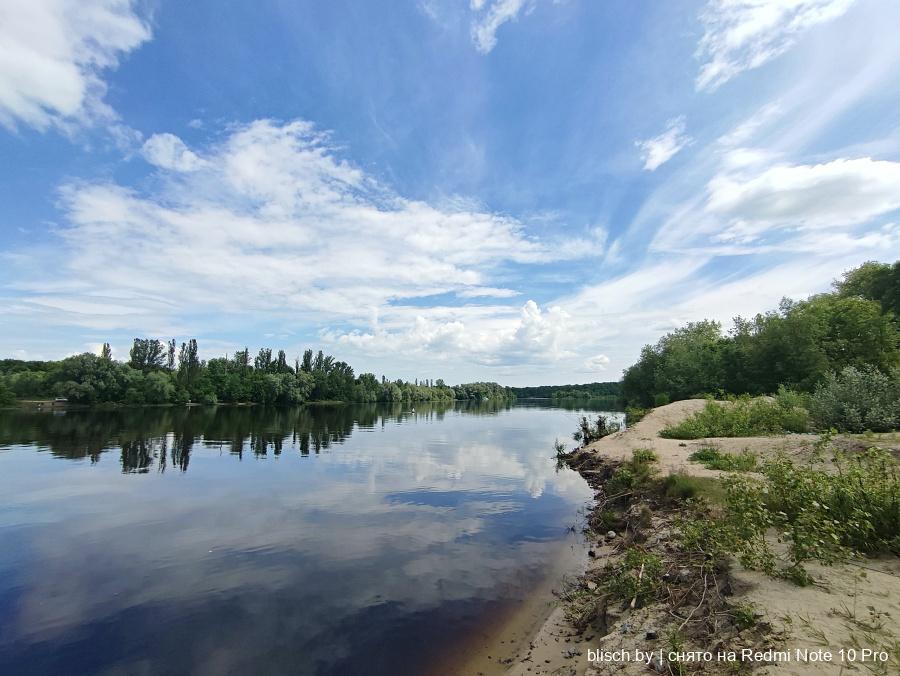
(160, 372)
(586, 391)
(796, 346)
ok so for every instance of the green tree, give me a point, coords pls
(873, 281)
(6, 395)
(146, 354)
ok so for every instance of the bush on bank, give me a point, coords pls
(857, 399)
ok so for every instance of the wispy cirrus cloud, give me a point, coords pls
(53, 54)
(490, 16)
(660, 149)
(740, 35)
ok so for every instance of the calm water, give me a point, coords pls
(338, 540)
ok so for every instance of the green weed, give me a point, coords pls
(713, 458)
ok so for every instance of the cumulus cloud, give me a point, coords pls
(740, 35)
(487, 336)
(167, 151)
(597, 363)
(660, 149)
(842, 192)
(53, 56)
(492, 15)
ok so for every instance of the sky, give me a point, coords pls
(524, 191)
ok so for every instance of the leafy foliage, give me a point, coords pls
(874, 281)
(821, 515)
(858, 399)
(6, 395)
(152, 376)
(794, 346)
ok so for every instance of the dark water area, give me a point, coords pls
(358, 539)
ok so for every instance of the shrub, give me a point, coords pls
(858, 399)
(713, 458)
(743, 417)
(822, 516)
(588, 433)
(633, 414)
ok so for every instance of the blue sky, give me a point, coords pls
(524, 191)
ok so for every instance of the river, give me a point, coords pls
(356, 539)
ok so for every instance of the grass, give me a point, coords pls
(712, 458)
(743, 417)
(680, 487)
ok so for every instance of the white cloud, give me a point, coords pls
(842, 192)
(660, 149)
(53, 54)
(487, 336)
(271, 223)
(487, 292)
(740, 35)
(597, 363)
(167, 151)
(494, 13)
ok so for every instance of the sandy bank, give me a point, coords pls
(852, 607)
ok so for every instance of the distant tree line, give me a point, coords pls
(795, 346)
(587, 391)
(160, 372)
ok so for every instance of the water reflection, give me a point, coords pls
(141, 434)
(328, 540)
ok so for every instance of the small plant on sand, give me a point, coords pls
(713, 458)
(634, 474)
(635, 578)
(744, 615)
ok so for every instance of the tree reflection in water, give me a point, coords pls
(165, 437)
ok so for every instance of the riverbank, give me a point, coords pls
(852, 606)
